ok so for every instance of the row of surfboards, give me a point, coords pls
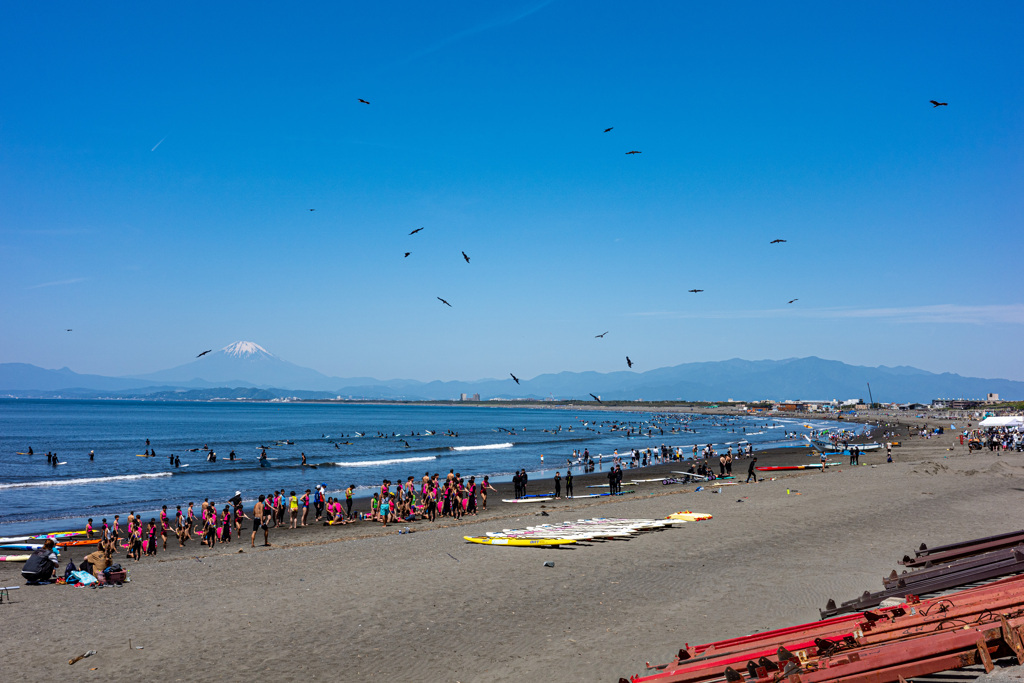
(597, 529)
(543, 498)
(62, 539)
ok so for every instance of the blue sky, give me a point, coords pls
(158, 164)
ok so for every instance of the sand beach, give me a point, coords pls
(365, 603)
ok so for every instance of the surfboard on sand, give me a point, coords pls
(14, 558)
(519, 541)
(525, 500)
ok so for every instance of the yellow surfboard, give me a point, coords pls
(689, 516)
(490, 540)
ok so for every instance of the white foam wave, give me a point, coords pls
(485, 447)
(392, 461)
(86, 480)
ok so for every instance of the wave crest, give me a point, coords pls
(86, 480)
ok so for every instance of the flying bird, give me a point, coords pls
(312, 209)
(938, 104)
(595, 398)
(696, 291)
(776, 241)
(407, 254)
(415, 231)
(600, 336)
(67, 330)
(204, 353)
(465, 257)
(363, 101)
(634, 152)
(792, 300)
(444, 302)
(629, 362)
(515, 378)
(608, 129)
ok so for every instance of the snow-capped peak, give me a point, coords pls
(245, 349)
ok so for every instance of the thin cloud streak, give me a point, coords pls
(937, 313)
(466, 33)
(57, 283)
(158, 144)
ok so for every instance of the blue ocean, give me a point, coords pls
(349, 444)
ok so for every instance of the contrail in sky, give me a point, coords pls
(158, 144)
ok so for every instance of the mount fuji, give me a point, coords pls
(243, 364)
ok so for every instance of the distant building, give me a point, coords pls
(467, 397)
(992, 398)
(956, 403)
(462, 397)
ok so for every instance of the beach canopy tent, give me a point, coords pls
(1011, 421)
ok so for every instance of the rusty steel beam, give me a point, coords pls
(869, 600)
(966, 551)
(919, 575)
(922, 667)
(925, 550)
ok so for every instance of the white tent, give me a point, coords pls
(1012, 421)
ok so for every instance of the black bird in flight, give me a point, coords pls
(629, 362)
(608, 129)
(696, 291)
(444, 302)
(515, 378)
(68, 330)
(407, 254)
(363, 101)
(415, 231)
(465, 257)
(776, 241)
(204, 353)
(634, 152)
(600, 336)
(312, 209)
(595, 398)
(792, 300)
(938, 104)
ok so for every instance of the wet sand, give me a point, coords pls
(363, 603)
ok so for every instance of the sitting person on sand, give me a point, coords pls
(41, 564)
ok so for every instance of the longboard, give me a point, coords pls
(518, 541)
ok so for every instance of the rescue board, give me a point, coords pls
(518, 541)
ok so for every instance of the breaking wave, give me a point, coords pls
(86, 480)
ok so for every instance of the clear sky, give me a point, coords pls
(158, 162)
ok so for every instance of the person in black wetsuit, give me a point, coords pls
(41, 564)
(751, 472)
(558, 485)
(568, 483)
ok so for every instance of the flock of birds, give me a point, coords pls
(629, 362)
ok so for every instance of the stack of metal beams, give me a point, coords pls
(920, 637)
(942, 568)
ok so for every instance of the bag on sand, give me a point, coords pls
(84, 578)
(70, 569)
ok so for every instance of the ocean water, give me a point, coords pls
(350, 444)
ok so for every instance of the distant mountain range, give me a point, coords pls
(247, 370)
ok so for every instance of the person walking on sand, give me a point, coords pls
(558, 485)
(484, 486)
(259, 520)
(751, 472)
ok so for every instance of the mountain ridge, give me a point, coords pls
(246, 369)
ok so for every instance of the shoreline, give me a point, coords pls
(364, 599)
